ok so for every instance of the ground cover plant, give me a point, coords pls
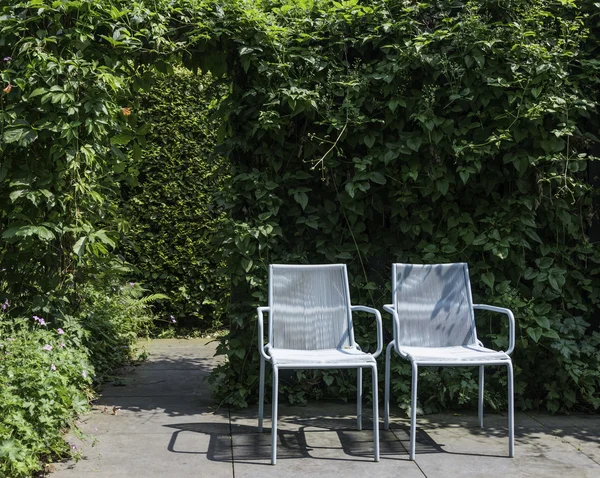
(45, 381)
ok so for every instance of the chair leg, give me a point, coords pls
(375, 413)
(359, 398)
(480, 404)
(413, 411)
(386, 399)
(511, 412)
(261, 395)
(274, 416)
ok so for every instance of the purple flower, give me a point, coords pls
(4, 306)
(132, 284)
(74, 447)
(53, 367)
(47, 347)
(40, 320)
(11, 339)
(173, 319)
(60, 331)
(83, 374)
(7, 58)
(62, 346)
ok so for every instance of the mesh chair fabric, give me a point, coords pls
(309, 307)
(334, 357)
(434, 305)
(466, 353)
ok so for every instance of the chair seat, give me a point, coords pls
(457, 354)
(335, 357)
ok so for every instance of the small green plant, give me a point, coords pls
(45, 382)
(111, 318)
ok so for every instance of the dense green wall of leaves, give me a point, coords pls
(172, 212)
(378, 132)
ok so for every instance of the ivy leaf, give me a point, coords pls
(24, 231)
(350, 189)
(37, 92)
(302, 199)
(79, 246)
(533, 235)
(377, 177)
(121, 139)
(414, 143)
(544, 262)
(369, 141)
(246, 264)
(488, 279)
(480, 240)
(535, 333)
(24, 135)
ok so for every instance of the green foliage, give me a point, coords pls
(378, 132)
(45, 380)
(171, 208)
(66, 135)
(58, 161)
(113, 314)
(42, 391)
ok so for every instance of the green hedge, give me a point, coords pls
(378, 132)
(172, 211)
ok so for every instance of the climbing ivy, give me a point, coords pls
(388, 131)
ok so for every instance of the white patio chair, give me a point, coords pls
(310, 327)
(434, 325)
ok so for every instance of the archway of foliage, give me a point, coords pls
(374, 132)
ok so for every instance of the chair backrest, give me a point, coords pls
(434, 304)
(309, 307)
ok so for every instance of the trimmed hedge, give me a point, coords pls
(172, 210)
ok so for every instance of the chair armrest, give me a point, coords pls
(511, 322)
(396, 322)
(377, 314)
(261, 338)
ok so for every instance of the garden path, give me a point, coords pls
(159, 420)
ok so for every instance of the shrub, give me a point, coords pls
(45, 382)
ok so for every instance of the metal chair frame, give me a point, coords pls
(500, 358)
(267, 350)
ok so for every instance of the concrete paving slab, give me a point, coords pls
(318, 439)
(471, 451)
(154, 456)
(145, 382)
(166, 425)
(163, 425)
(153, 421)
